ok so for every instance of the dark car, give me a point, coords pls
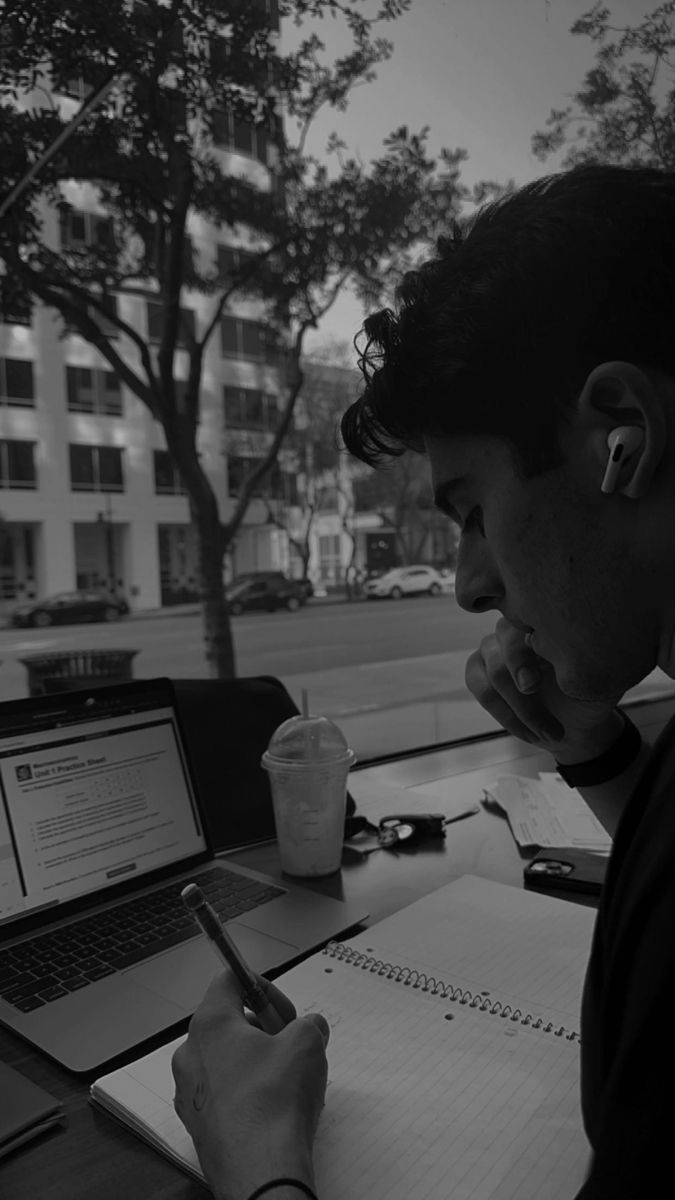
(68, 608)
(266, 591)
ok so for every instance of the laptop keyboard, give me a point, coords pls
(50, 965)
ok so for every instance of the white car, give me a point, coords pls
(408, 581)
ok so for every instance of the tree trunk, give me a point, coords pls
(218, 640)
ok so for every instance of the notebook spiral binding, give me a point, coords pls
(428, 983)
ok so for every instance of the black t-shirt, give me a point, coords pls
(628, 1011)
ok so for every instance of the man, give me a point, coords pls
(533, 362)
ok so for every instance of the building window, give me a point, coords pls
(93, 391)
(248, 339)
(238, 469)
(249, 408)
(157, 245)
(77, 88)
(17, 464)
(231, 133)
(230, 261)
(16, 382)
(107, 327)
(96, 469)
(330, 563)
(270, 8)
(275, 484)
(186, 325)
(328, 499)
(15, 305)
(81, 230)
(167, 478)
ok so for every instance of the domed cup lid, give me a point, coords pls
(308, 739)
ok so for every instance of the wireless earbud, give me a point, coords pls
(620, 441)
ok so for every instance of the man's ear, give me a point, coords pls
(620, 393)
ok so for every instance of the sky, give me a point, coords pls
(483, 74)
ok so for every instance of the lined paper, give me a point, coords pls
(525, 949)
(426, 1098)
(429, 1107)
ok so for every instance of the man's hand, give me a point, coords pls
(572, 730)
(250, 1101)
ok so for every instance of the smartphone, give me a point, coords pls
(567, 870)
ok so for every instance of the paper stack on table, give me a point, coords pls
(545, 812)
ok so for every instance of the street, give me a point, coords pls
(390, 672)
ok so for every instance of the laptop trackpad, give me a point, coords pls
(184, 973)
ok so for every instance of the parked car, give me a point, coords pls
(266, 591)
(68, 608)
(407, 581)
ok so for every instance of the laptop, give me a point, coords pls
(101, 827)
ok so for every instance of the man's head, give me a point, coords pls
(542, 326)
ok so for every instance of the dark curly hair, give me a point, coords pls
(497, 333)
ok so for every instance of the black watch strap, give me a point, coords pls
(613, 762)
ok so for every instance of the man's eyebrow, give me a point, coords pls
(443, 491)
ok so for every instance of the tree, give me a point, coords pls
(321, 460)
(624, 113)
(401, 496)
(179, 71)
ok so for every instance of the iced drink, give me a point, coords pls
(308, 761)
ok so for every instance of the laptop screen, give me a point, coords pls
(91, 794)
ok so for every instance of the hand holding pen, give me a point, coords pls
(251, 1103)
(252, 993)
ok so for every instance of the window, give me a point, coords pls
(249, 408)
(107, 327)
(155, 237)
(80, 86)
(15, 306)
(96, 469)
(167, 478)
(248, 339)
(17, 464)
(16, 382)
(231, 261)
(76, 87)
(93, 391)
(186, 326)
(275, 484)
(271, 8)
(261, 71)
(328, 499)
(238, 469)
(232, 133)
(81, 230)
(330, 550)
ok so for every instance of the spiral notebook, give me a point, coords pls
(453, 1057)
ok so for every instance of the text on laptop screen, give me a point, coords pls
(88, 804)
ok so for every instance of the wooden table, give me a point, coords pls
(91, 1157)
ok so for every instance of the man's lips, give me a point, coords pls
(519, 625)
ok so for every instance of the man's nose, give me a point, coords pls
(478, 587)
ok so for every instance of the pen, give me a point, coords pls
(252, 994)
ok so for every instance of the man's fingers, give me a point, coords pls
(517, 656)
(321, 1023)
(222, 1000)
(284, 1006)
(492, 682)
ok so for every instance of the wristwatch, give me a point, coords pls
(620, 755)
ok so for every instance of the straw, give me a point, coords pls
(310, 745)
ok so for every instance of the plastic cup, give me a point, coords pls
(308, 761)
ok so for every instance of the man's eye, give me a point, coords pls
(475, 520)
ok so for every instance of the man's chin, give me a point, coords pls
(589, 689)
